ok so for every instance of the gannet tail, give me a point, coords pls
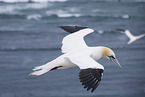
(39, 70)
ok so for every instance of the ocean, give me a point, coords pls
(30, 36)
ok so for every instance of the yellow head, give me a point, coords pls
(109, 54)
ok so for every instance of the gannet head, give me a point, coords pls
(109, 54)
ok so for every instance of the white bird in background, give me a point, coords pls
(130, 36)
(77, 53)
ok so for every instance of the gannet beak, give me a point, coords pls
(114, 60)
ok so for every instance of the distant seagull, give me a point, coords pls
(77, 53)
(130, 36)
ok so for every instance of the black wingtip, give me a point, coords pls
(72, 29)
(90, 78)
(120, 30)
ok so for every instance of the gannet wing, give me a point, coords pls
(75, 40)
(122, 30)
(91, 71)
(127, 32)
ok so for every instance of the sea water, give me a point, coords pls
(30, 36)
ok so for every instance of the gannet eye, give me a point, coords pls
(111, 57)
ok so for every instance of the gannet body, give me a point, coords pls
(77, 53)
(131, 36)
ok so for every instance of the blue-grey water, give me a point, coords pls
(29, 37)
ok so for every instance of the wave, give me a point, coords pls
(67, 14)
(57, 15)
(34, 17)
(100, 31)
(63, 16)
(29, 49)
(12, 16)
(13, 1)
(31, 1)
(75, 16)
(29, 12)
(121, 0)
(21, 8)
(62, 13)
(107, 31)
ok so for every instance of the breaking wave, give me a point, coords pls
(57, 15)
(28, 49)
(13, 1)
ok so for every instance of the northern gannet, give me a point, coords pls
(130, 36)
(77, 53)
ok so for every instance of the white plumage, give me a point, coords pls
(131, 37)
(75, 41)
(77, 53)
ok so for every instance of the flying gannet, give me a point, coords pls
(77, 53)
(130, 36)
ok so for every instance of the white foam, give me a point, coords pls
(6, 9)
(36, 6)
(62, 13)
(34, 17)
(69, 15)
(12, 1)
(57, 0)
(125, 16)
(100, 31)
(11, 9)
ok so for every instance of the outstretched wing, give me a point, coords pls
(91, 71)
(130, 36)
(75, 40)
(91, 78)
(127, 32)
